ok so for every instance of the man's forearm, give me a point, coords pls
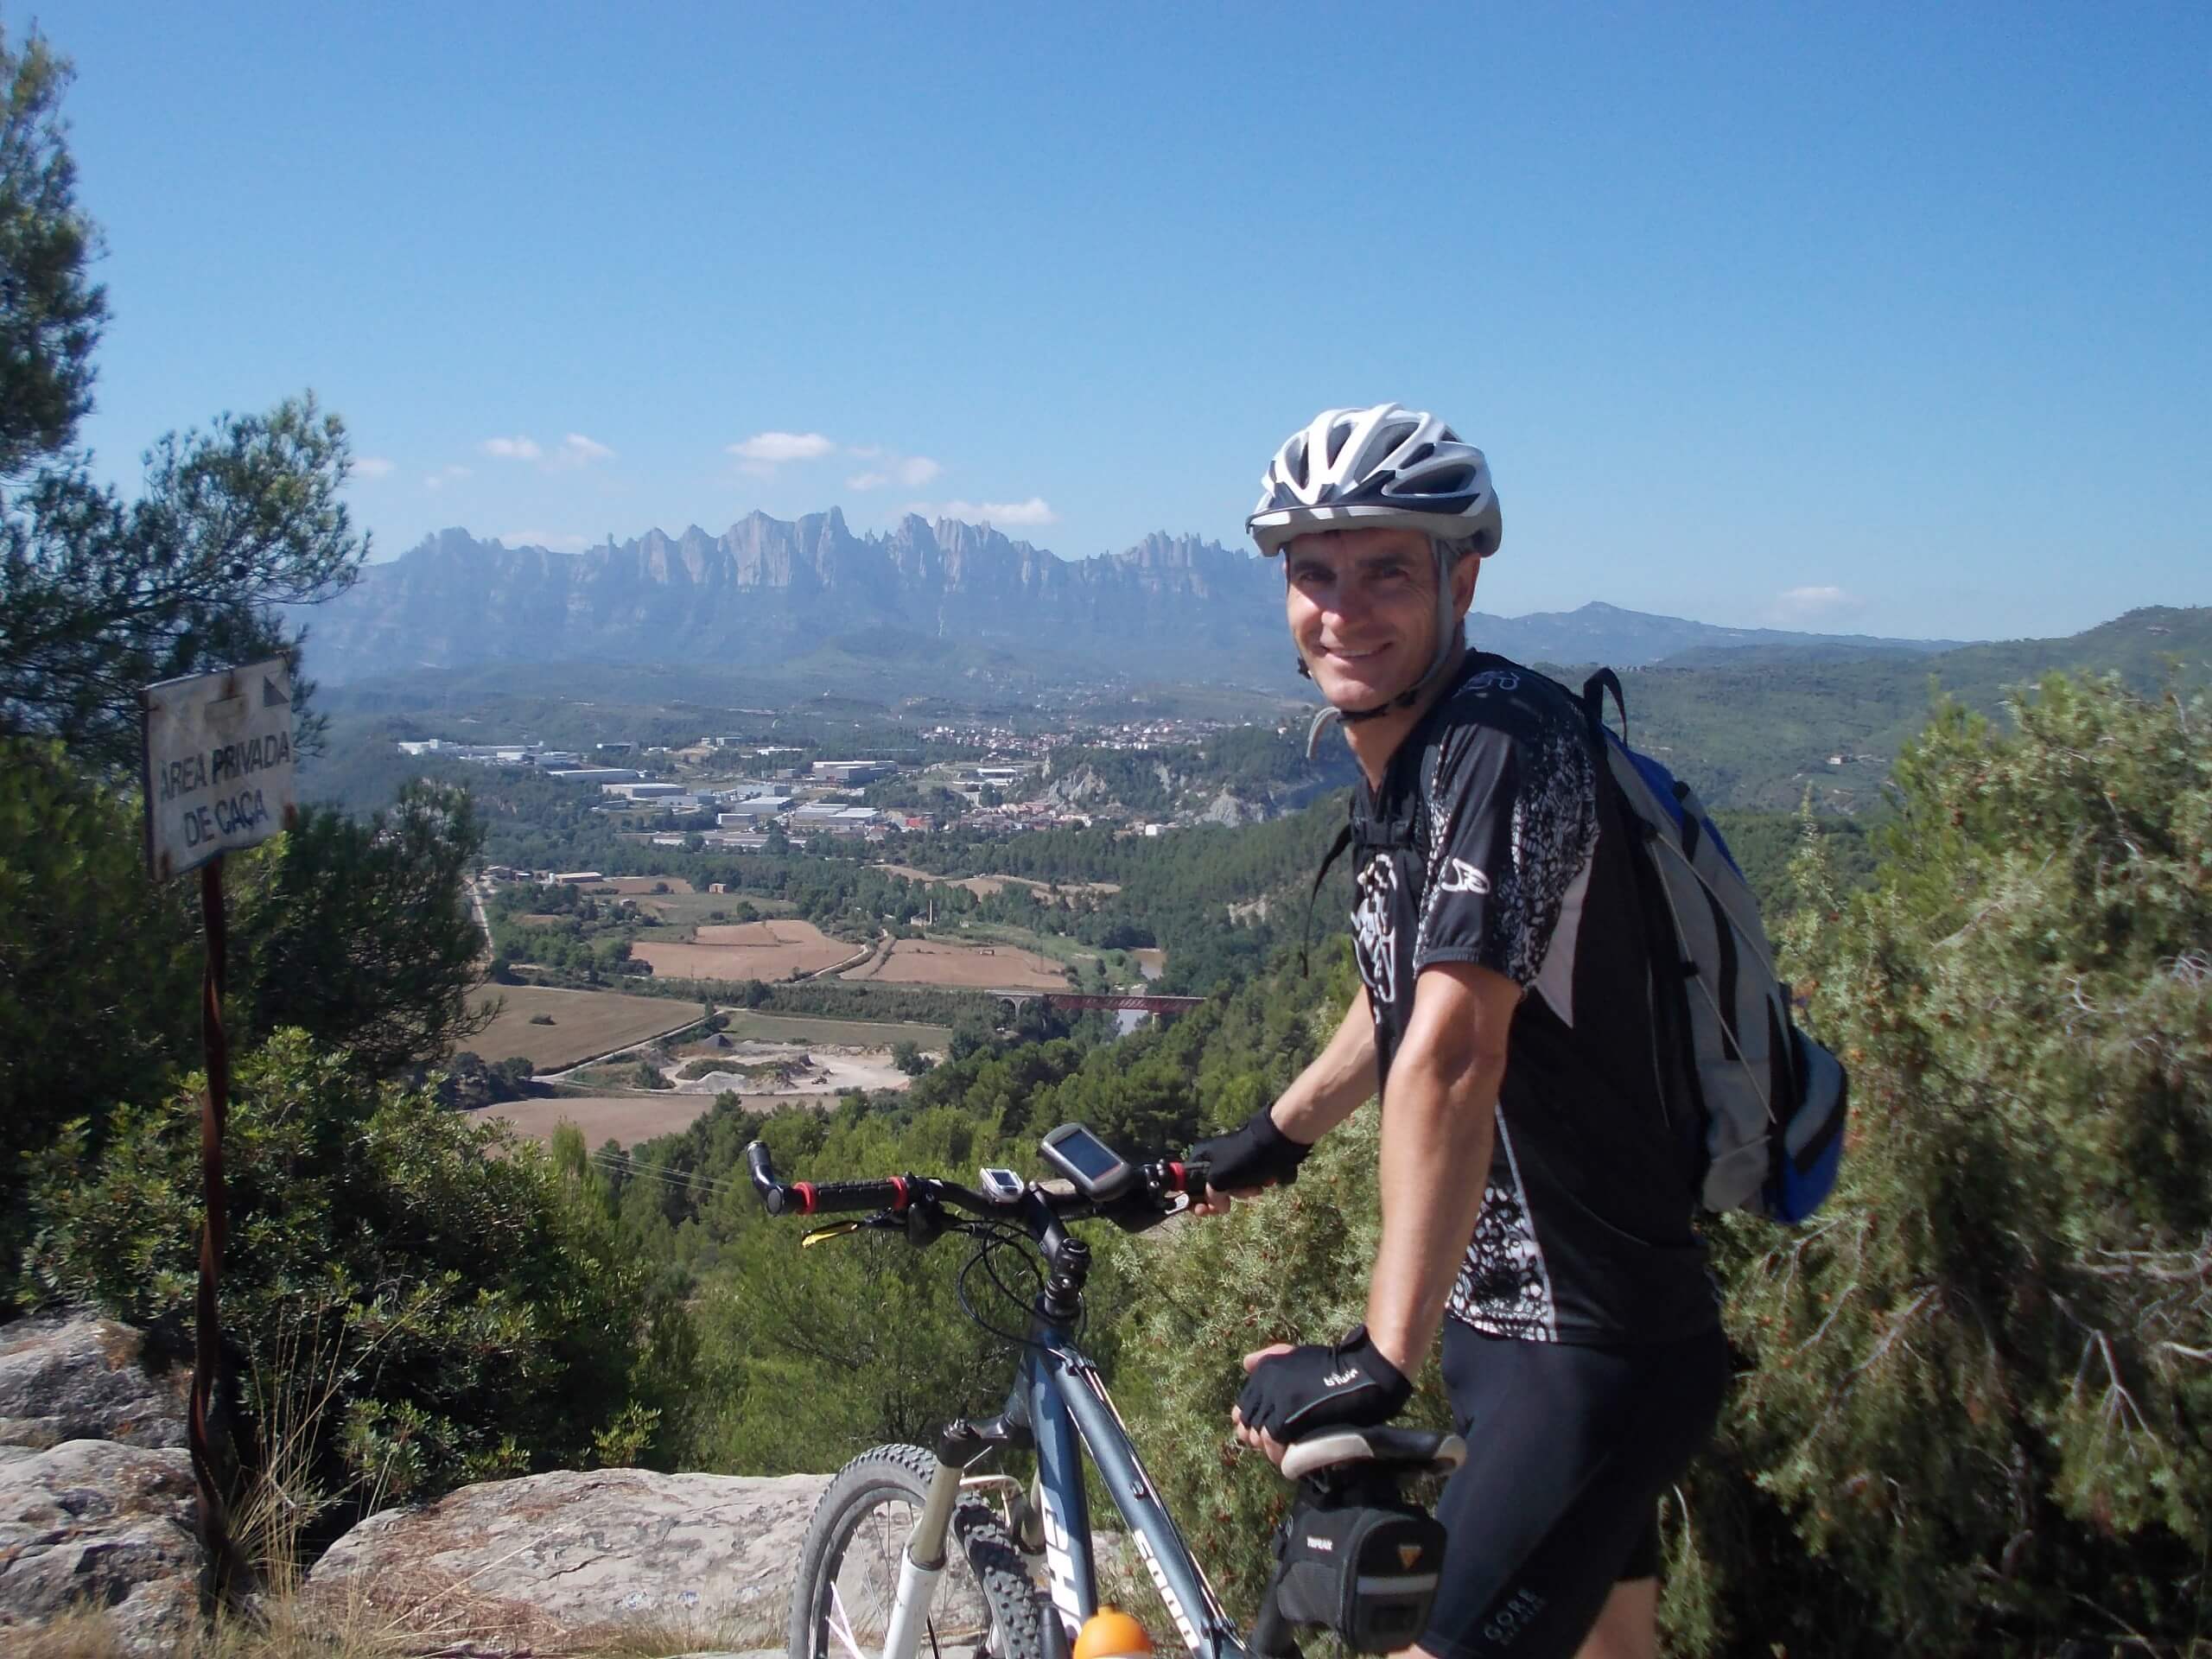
(1438, 1128)
(1331, 1087)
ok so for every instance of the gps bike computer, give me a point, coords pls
(1099, 1172)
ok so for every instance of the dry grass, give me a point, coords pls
(585, 1023)
(280, 1633)
(287, 1628)
(287, 1618)
(634, 886)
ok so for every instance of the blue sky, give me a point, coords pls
(1878, 318)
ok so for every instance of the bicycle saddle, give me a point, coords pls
(1412, 1450)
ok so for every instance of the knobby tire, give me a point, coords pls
(848, 1569)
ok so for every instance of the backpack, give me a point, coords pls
(1761, 1106)
(1766, 1101)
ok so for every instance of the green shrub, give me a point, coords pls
(101, 966)
(1983, 1388)
(452, 1306)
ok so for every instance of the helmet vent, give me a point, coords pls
(1419, 453)
(1337, 435)
(1392, 436)
(1294, 458)
(1456, 481)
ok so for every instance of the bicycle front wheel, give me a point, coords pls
(985, 1606)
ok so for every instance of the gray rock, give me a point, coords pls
(94, 1523)
(77, 1376)
(559, 1560)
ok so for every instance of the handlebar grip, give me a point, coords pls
(852, 1195)
(1189, 1175)
(774, 1196)
(808, 1199)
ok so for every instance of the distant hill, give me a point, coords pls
(1760, 727)
(767, 592)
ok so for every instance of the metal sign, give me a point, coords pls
(218, 764)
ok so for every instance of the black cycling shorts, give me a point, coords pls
(1568, 1450)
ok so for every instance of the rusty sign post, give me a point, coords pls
(218, 780)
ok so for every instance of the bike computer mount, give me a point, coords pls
(1099, 1172)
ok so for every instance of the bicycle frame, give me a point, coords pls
(1059, 1405)
(1069, 1410)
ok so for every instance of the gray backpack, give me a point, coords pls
(1764, 1104)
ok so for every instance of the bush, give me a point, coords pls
(1984, 1373)
(101, 966)
(454, 1313)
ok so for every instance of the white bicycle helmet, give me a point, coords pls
(1357, 468)
(1383, 467)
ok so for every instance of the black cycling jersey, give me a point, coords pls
(1491, 842)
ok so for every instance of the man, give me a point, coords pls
(1536, 1202)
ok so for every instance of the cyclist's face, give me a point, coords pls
(1361, 605)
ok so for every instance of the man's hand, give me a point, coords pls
(1295, 1392)
(1245, 1160)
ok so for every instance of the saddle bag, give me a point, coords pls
(1364, 1565)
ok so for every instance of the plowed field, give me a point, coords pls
(734, 950)
(584, 1023)
(988, 967)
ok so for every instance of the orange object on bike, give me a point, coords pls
(1110, 1633)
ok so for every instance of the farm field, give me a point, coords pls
(933, 961)
(585, 1023)
(625, 1119)
(745, 1025)
(632, 886)
(689, 909)
(984, 886)
(734, 950)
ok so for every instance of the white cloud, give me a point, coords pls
(1034, 510)
(444, 476)
(546, 539)
(372, 467)
(577, 450)
(512, 449)
(764, 451)
(912, 471)
(1812, 603)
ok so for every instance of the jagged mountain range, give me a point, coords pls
(767, 590)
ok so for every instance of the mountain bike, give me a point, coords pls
(878, 1572)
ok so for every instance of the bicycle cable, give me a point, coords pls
(994, 1237)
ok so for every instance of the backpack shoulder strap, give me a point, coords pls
(1306, 934)
(1593, 700)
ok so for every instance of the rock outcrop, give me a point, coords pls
(97, 1502)
(548, 1561)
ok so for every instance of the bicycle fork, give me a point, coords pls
(921, 1564)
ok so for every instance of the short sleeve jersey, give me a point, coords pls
(1490, 842)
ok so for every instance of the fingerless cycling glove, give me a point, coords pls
(1311, 1388)
(1257, 1154)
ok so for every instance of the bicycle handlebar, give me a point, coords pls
(1161, 1179)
